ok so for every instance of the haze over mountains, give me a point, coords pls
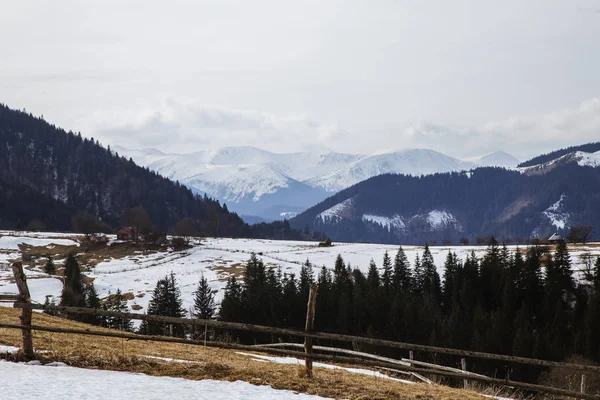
(259, 183)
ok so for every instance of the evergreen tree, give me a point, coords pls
(117, 303)
(402, 278)
(49, 267)
(92, 301)
(166, 301)
(73, 293)
(231, 305)
(204, 300)
(431, 284)
(387, 274)
(307, 278)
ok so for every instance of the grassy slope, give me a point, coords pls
(209, 363)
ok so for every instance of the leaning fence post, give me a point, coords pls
(26, 313)
(463, 364)
(310, 321)
(583, 384)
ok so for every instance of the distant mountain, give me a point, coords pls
(511, 204)
(258, 183)
(496, 159)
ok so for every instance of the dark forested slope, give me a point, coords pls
(47, 173)
(447, 207)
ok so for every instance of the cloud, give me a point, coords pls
(184, 126)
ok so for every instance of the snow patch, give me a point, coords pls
(588, 159)
(78, 383)
(554, 213)
(394, 222)
(336, 212)
(295, 361)
(440, 219)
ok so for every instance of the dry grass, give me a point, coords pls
(128, 355)
(224, 272)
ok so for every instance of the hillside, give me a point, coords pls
(544, 158)
(258, 183)
(513, 205)
(197, 365)
(54, 173)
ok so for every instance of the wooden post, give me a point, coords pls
(25, 297)
(310, 322)
(583, 384)
(411, 355)
(463, 364)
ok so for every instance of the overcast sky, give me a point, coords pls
(462, 77)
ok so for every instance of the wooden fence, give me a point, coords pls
(23, 302)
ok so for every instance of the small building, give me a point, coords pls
(555, 238)
(99, 238)
(125, 233)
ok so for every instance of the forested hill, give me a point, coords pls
(588, 148)
(48, 174)
(448, 207)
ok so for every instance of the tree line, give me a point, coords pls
(523, 303)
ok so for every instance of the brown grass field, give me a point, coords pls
(117, 354)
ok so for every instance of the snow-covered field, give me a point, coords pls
(216, 259)
(59, 382)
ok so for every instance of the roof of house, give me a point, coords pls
(556, 236)
(125, 229)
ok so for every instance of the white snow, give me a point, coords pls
(66, 382)
(235, 173)
(336, 211)
(395, 222)
(295, 361)
(12, 242)
(8, 349)
(588, 159)
(216, 256)
(439, 219)
(557, 218)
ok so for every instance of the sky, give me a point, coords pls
(462, 77)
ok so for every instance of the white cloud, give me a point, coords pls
(184, 126)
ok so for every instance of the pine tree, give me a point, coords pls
(92, 301)
(49, 267)
(402, 278)
(204, 300)
(231, 305)
(431, 284)
(307, 278)
(73, 289)
(166, 301)
(117, 303)
(386, 276)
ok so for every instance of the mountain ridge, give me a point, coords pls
(297, 179)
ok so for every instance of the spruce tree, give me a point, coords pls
(386, 276)
(49, 267)
(431, 279)
(402, 277)
(117, 303)
(307, 278)
(204, 300)
(232, 305)
(92, 301)
(73, 293)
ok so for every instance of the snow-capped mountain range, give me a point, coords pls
(256, 182)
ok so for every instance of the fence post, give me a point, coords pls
(583, 384)
(463, 364)
(26, 313)
(411, 355)
(310, 321)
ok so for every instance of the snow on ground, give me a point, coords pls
(44, 382)
(218, 258)
(12, 242)
(291, 360)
